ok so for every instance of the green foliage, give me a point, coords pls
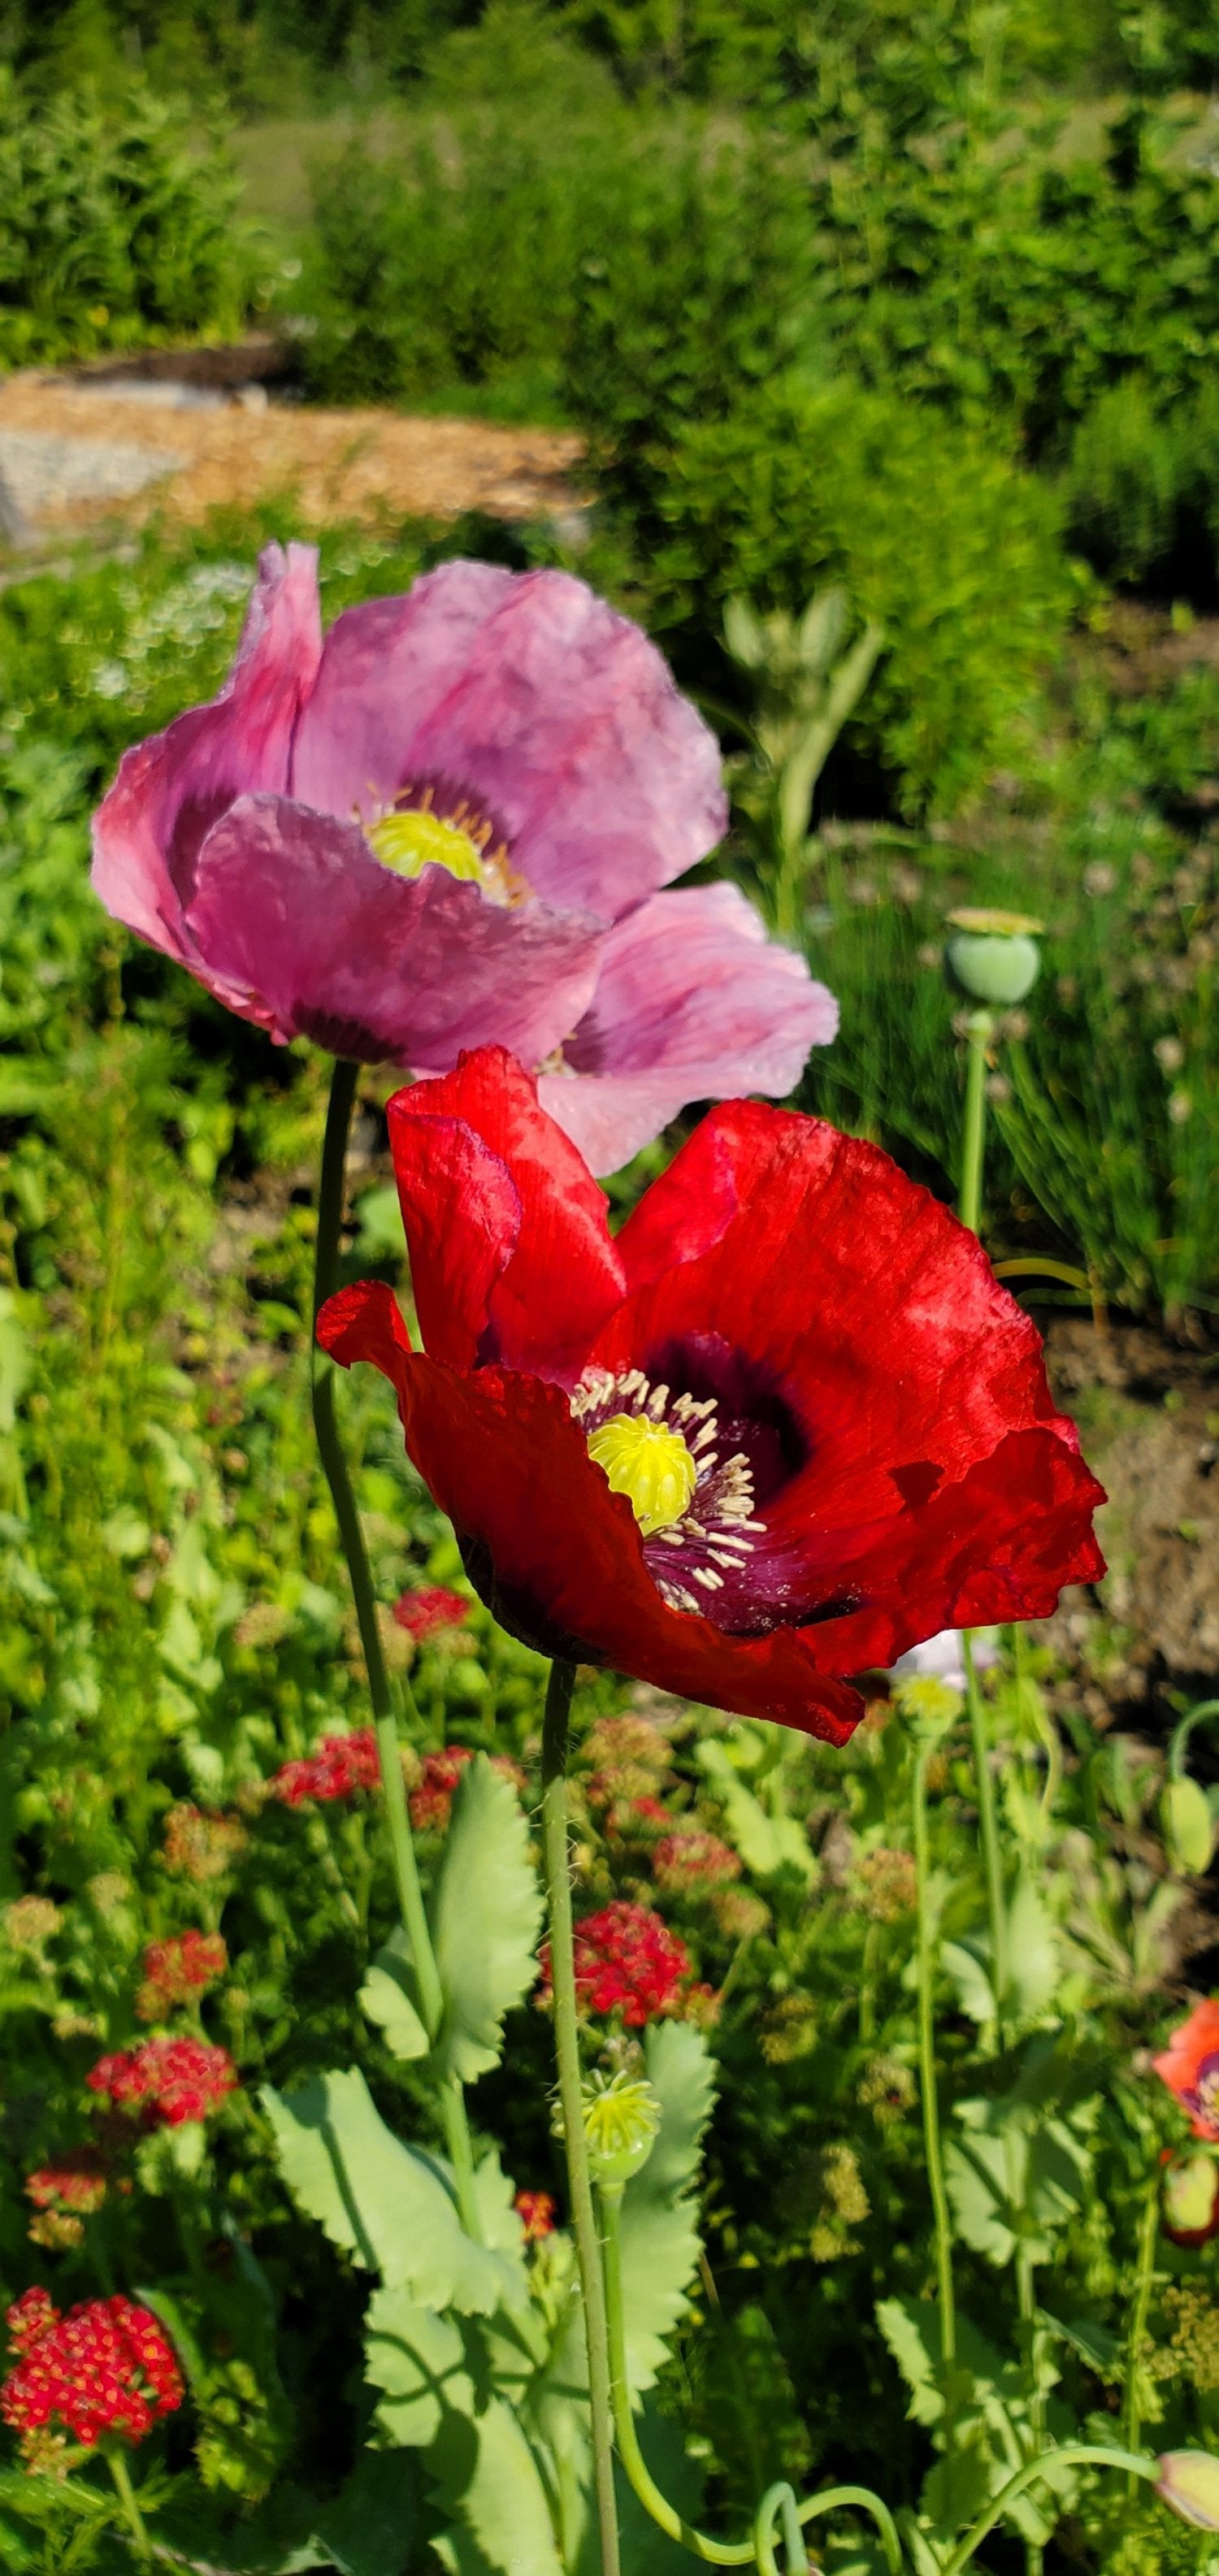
(118, 231)
(933, 534)
(488, 1914)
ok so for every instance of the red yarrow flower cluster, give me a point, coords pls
(179, 1969)
(781, 1427)
(431, 1799)
(535, 2209)
(627, 1962)
(166, 2081)
(1189, 2066)
(105, 2367)
(693, 1860)
(425, 1612)
(342, 1767)
(201, 1846)
(76, 2184)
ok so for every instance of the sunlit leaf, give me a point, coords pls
(488, 1913)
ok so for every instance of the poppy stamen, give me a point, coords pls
(659, 1450)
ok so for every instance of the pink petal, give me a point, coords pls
(170, 789)
(525, 694)
(693, 1002)
(298, 927)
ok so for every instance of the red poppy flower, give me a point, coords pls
(782, 1427)
(1189, 2066)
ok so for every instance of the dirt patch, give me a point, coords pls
(1148, 1414)
(338, 465)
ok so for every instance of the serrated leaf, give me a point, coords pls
(490, 2482)
(487, 1916)
(748, 2406)
(1097, 2345)
(368, 2528)
(419, 2360)
(970, 1975)
(1032, 1950)
(660, 2238)
(495, 2199)
(905, 2330)
(389, 1996)
(387, 2205)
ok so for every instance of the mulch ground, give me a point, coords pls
(76, 455)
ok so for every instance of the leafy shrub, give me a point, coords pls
(933, 534)
(1142, 490)
(116, 232)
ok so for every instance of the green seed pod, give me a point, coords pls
(1187, 1826)
(621, 2118)
(993, 956)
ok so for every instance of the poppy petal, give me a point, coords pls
(170, 789)
(303, 930)
(693, 1002)
(511, 1254)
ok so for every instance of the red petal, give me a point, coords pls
(511, 1254)
(505, 1460)
(873, 1310)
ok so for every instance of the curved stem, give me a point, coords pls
(779, 2504)
(1144, 2277)
(988, 1826)
(1181, 1734)
(1078, 2455)
(926, 2049)
(132, 2516)
(714, 2553)
(567, 2049)
(386, 1700)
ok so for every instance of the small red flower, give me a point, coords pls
(628, 1962)
(342, 1767)
(535, 2209)
(1189, 2066)
(424, 1612)
(780, 1428)
(432, 1799)
(179, 1969)
(105, 2367)
(76, 2184)
(200, 1846)
(166, 2081)
(682, 1861)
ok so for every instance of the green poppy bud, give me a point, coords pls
(621, 2118)
(994, 956)
(1187, 1826)
(1189, 2484)
(1190, 2198)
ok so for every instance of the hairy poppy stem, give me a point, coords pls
(926, 2052)
(778, 2504)
(988, 1827)
(386, 1699)
(567, 2048)
(1132, 2413)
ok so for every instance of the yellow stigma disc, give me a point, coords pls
(412, 841)
(648, 1463)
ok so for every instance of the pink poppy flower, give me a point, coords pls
(450, 823)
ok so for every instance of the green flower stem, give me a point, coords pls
(779, 2500)
(1027, 2304)
(988, 1825)
(926, 2049)
(132, 2516)
(1073, 2455)
(557, 1859)
(1132, 2421)
(973, 1141)
(386, 1700)
(1181, 1734)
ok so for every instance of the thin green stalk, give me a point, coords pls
(779, 2499)
(125, 2491)
(557, 1860)
(988, 1826)
(1132, 2421)
(926, 2048)
(867, 1985)
(386, 1700)
(1027, 2304)
(1078, 2455)
(973, 1137)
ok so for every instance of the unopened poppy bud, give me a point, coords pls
(994, 956)
(1187, 1826)
(1188, 2484)
(621, 2118)
(1190, 2198)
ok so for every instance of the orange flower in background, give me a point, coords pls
(1189, 2066)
